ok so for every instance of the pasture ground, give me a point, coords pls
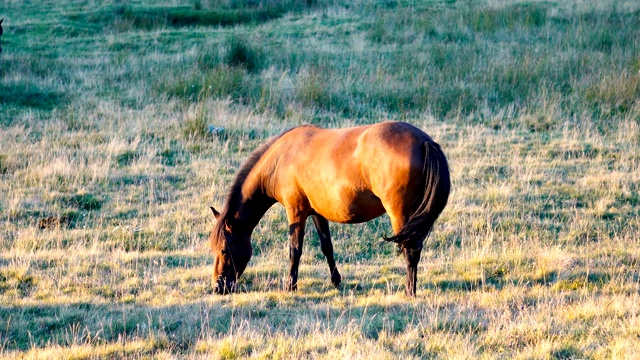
(108, 167)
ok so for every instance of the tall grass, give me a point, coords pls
(110, 158)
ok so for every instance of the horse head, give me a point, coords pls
(231, 248)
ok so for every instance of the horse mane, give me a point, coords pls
(234, 195)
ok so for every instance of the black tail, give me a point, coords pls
(437, 186)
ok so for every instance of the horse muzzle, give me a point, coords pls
(223, 287)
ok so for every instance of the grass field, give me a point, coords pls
(108, 168)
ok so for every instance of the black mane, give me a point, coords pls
(234, 195)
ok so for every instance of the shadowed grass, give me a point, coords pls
(126, 18)
(120, 124)
(31, 96)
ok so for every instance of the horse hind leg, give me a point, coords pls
(411, 259)
(322, 226)
(411, 249)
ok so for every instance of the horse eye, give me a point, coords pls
(224, 251)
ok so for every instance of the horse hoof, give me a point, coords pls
(336, 279)
(291, 286)
(411, 294)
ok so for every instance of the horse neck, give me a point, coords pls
(252, 203)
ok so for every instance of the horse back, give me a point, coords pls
(346, 174)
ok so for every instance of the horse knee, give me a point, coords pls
(295, 252)
(292, 254)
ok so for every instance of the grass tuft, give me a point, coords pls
(615, 94)
(566, 352)
(4, 164)
(80, 201)
(221, 82)
(508, 17)
(241, 54)
(195, 126)
(126, 158)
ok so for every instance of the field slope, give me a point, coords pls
(111, 154)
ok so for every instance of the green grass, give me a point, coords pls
(109, 161)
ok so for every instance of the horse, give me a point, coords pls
(348, 175)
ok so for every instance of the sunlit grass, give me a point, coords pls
(110, 159)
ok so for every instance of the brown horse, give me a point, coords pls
(348, 175)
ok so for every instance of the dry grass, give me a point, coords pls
(108, 166)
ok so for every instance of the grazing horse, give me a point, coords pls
(347, 175)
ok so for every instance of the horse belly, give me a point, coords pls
(347, 206)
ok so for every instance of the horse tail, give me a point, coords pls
(426, 209)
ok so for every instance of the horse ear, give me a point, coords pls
(1, 20)
(215, 213)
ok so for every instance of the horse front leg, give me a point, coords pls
(412, 258)
(322, 226)
(296, 240)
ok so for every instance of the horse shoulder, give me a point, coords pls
(278, 170)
